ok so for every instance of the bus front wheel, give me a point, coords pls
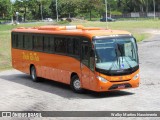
(33, 74)
(76, 84)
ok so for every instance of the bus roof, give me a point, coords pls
(78, 30)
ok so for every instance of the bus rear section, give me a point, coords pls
(85, 58)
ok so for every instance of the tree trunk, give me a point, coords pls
(69, 15)
(100, 14)
(141, 8)
(146, 6)
(25, 11)
(90, 14)
(39, 13)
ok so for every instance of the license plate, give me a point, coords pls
(121, 86)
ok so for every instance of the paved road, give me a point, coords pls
(18, 92)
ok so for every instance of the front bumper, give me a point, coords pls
(111, 86)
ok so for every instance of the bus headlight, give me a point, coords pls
(136, 77)
(102, 79)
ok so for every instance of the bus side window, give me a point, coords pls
(20, 41)
(76, 47)
(51, 44)
(38, 43)
(14, 40)
(60, 45)
(46, 44)
(70, 46)
(73, 47)
(85, 55)
(92, 59)
(28, 42)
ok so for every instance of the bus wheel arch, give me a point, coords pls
(33, 73)
(75, 83)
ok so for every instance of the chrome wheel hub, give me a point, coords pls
(77, 84)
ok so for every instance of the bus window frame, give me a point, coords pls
(53, 36)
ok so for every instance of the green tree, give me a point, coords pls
(21, 6)
(89, 6)
(5, 8)
(33, 9)
(43, 7)
(69, 7)
(66, 8)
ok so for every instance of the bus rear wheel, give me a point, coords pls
(76, 84)
(33, 74)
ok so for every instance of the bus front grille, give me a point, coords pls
(121, 80)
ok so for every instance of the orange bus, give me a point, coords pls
(90, 58)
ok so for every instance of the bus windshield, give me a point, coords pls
(116, 53)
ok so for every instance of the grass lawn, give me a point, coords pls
(5, 50)
(137, 28)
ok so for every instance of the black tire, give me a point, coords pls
(34, 74)
(76, 84)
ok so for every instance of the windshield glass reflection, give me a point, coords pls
(116, 54)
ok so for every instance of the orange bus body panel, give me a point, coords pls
(50, 66)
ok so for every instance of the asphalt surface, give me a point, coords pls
(19, 93)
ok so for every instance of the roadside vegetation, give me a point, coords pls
(25, 10)
(137, 28)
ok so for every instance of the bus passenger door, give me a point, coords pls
(85, 71)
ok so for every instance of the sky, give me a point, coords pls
(12, 1)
